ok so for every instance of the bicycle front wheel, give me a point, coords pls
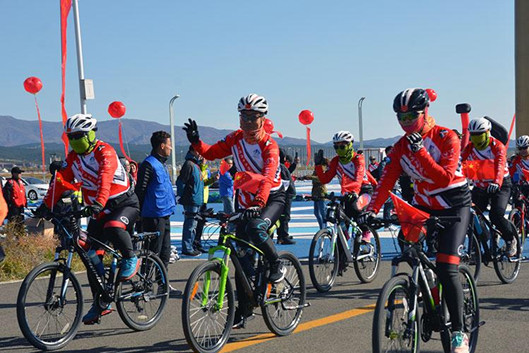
(394, 329)
(323, 262)
(207, 325)
(507, 268)
(140, 301)
(367, 257)
(49, 306)
(283, 302)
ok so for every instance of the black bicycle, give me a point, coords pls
(208, 305)
(50, 299)
(333, 249)
(484, 245)
(398, 325)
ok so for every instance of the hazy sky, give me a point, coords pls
(317, 55)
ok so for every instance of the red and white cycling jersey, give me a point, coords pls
(102, 175)
(351, 175)
(435, 170)
(520, 166)
(496, 152)
(260, 158)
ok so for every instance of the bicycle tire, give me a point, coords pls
(292, 293)
(192, 302)
(330, 264)
(148, 286)
(471, 255)
(506, 269)
(364, 273)
(470, 312)
(388, 298)
(51, 308)
(516, 219)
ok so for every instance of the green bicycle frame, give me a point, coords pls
(224, 268)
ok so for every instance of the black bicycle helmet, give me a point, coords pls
(411, 99)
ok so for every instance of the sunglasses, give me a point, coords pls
(522, 148)
(250, 115)
(339, 147)
(408, 116)
(76, 135)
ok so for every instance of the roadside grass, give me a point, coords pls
(25, 251)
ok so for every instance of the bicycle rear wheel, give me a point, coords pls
(47, 320)
(284, 301)
(471, 255)
(206, 326)
(323, 264)
(367, 258)
(140, 301)
(394, 329)
(507, 268)
(515, 216)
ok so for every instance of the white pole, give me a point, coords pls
(79, 55)
(360, 122)
(173, 138)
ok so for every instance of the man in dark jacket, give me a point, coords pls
(190, 186)
(282, 232)
(155, 192)
(15, 196)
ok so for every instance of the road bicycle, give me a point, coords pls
(398, 324)
(484, 245)
(332, 249)
(208, 304)
(50, 299)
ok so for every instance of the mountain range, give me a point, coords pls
(17, 132)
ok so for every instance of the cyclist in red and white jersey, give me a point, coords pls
(520, 164)
(430, 155)
(108, 198)
(253, 151)
(496, 190)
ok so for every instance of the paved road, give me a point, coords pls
(340, 320)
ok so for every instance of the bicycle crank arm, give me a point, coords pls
(295, 307)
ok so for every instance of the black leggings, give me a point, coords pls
(451, 240)
(498, 204)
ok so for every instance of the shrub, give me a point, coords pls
(24, 252)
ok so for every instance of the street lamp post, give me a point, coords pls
(173, 138)
(360, 122)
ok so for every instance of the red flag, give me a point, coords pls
(480, 169)
(59, 186)
(66, 5)
(411, 219)
(121, 142)
(224, 167)
(248, 181)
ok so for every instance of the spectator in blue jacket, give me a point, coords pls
(190, 189)
(155, 192)
(226, 188)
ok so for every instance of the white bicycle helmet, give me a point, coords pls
(343, 136)
(253, 102)
(80, 123)
(479, 125)
(522, 142)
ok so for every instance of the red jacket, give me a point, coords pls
(3, 208)
(434, 169)
(16, 193)
(496, 152)
(102, 175)
(351, 175)
(261, 158)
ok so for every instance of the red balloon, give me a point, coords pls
(268, 126)
(306, 117)
(33, 85)
(116, 109)
(431, 94)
